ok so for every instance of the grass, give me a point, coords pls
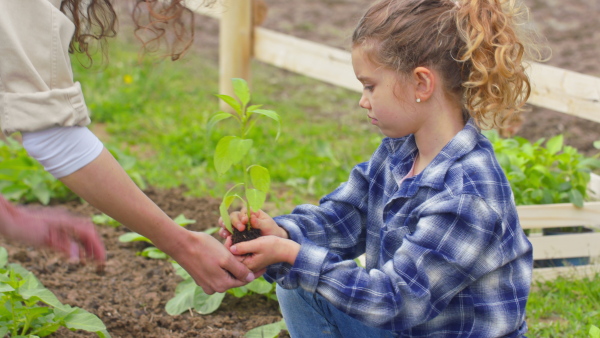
(564, 307)
(157, 111)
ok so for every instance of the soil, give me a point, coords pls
(130, 295)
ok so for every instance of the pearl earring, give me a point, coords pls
(418, 100)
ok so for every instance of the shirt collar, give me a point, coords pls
(404, 150)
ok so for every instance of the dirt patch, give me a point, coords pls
(130, 295)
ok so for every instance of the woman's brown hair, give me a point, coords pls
(474, 44)
(156, 22)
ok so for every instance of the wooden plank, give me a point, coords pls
(583, 271)
(305, 57)
(566, 246)
(565, 91)
(558, 215)
(594, 186)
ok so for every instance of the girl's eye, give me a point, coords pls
(368, 88)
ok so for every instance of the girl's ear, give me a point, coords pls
(425, 81)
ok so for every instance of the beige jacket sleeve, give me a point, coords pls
(36, 80)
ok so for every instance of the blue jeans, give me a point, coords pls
(312, 316)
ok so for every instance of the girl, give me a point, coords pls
(39, 98)
(432, 209)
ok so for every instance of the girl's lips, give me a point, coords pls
(373, 120)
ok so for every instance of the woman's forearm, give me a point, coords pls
(104, 184)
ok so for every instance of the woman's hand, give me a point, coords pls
(75, 237)
(209, 263)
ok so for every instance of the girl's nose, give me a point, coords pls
(364, 103)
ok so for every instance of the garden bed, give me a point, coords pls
(131, 293)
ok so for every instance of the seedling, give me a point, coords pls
(233, 150)
(30, 310)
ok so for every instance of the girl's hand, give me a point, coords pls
(258, 220)
(264, 251)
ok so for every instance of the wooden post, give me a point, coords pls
(235, 44)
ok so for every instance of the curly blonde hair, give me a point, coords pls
(474, 44)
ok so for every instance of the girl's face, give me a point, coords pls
(389, 100)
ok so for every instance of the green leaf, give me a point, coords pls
(555, 144)
(3, 257)
(220, 116)
(597, 144)
(104, 219)
(212, 230)
(211, 304)
(594, 330)
(272, 115)
(233, 103)
(238, 292)
(133, 237)
(260, 178)
(83, 320)
(154, 253)
(267, 331)
(180, 271)
(42, 193)
(43, 295)
(241, 90)
(3, 331)
(576, 198)
(181, 220)
(252, 108)
(6, 288)
(184, 297)
(260, 286)
(256, 198)
(224, 208)
(230, 150)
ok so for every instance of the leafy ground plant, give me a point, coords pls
(30, 310)
(23, 179)
(544, 172)
(235, 149)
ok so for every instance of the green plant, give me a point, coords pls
(594, 331)
(21, 314)
(152, 251)
(189, 296)
(544, 173)
(234, 149)
(230, 151)
(104, 219)
(267, 331)
(23, 179)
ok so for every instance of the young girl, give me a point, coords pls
(432, 209)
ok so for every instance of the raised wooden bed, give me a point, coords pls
(567, 245)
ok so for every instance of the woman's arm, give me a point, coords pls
(52, 228)
(105, 185)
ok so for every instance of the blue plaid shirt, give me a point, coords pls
(445, 253)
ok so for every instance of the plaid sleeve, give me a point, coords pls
(338, 223)
(455, 243)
